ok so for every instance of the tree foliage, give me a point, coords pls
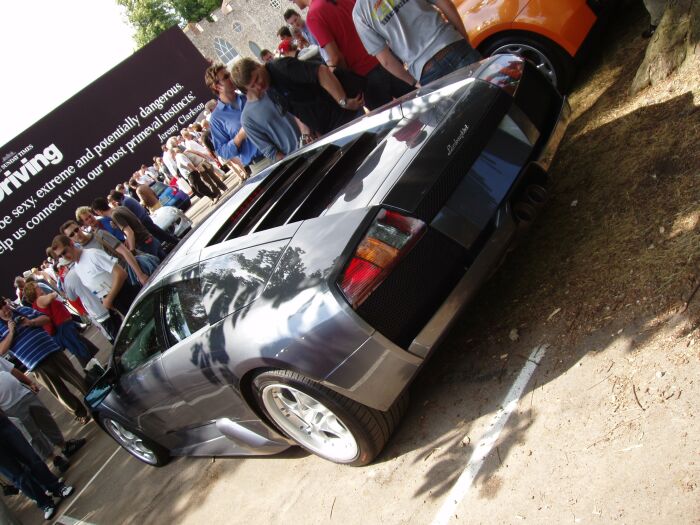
(150, 18)
(194, 10)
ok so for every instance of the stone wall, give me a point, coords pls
(241, 27)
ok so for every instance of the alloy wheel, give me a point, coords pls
(130, 441)
(310, 423)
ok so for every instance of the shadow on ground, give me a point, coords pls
(612, 259)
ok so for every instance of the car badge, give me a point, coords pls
(457, 140)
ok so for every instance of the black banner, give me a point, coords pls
(94, 141)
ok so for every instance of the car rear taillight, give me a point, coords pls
(505, 72)
(387, 240)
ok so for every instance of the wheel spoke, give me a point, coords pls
(292, 408)
(332, 426)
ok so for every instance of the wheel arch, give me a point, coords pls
(99, 416)
(488, 33)
(245, 384)
(245, 387)
(562, 63)
(514, 33)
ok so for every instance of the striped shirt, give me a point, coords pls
(31, 344)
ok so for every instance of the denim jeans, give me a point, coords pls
(460, 55)
(67, 337)
(152, 248)
(23, 467)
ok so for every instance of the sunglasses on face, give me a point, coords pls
(72, 233)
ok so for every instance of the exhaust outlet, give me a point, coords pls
(536, 195)
(524, 213)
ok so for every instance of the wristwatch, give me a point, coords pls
(343, 102)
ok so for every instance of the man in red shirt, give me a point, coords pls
(331, 23)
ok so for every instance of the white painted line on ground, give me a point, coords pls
(75, 498)
(67, 520)
(488, 440)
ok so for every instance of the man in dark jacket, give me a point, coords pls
(310, 92)
(25, 469)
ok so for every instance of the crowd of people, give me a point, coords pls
(94, 268)
(370, 54)
(262, 111)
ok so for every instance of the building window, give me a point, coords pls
(224, 50)
(275, 4)
(254, 48)
(237, 27)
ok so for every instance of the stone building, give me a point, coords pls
(239, 28)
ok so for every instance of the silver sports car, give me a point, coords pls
(300, 311)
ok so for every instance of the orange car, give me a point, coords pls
(550, 33)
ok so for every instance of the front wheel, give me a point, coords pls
(135, 444)
(322, 421)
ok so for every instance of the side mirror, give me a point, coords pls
(101, 388)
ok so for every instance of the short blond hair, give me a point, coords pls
(242, 71)
(80, 211)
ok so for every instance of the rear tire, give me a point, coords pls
(135, 443)
(555, 63)
(322, 421)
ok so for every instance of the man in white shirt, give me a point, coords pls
(75, 289)
(99, 272)
(169, 161)
(212, 174)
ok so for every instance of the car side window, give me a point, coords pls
(138, 340)
(184, 311)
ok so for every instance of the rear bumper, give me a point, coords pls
(556, 136)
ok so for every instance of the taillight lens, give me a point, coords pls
(387, 240)
(505, 72)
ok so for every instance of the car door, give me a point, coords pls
(143, 393)
(196, 364)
